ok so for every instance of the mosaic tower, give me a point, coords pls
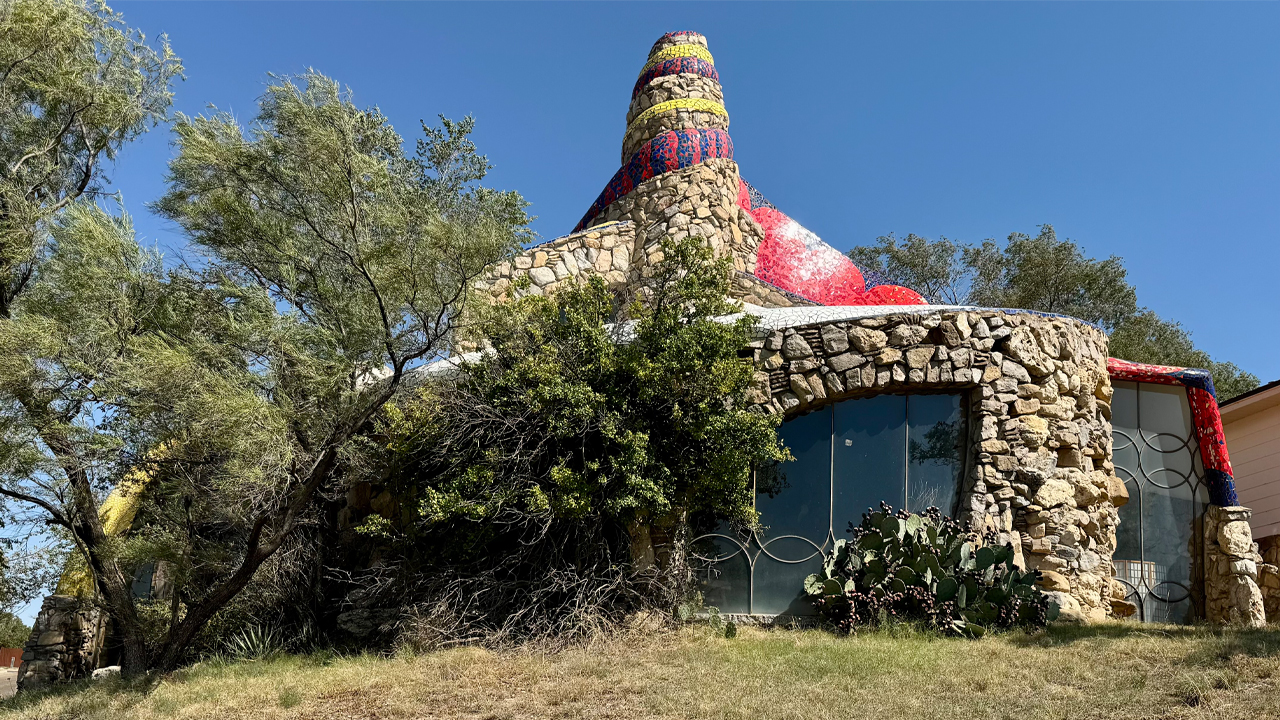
(678, 179)
(676, 121)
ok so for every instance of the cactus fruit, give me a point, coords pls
(924, 567)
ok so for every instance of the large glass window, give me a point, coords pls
(906, 450)
(1156, 454)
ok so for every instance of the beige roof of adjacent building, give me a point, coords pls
(1252, 425)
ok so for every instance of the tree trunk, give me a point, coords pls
(116, 590)
(181, 635)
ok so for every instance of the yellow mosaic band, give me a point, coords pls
(696, 104)
(675, 51)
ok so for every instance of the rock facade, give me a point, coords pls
(64, 643)
(702, 201)
(606, 251)
(1039, 474)
(1232, 561)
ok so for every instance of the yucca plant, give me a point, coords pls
(255, 642)
(927, 568)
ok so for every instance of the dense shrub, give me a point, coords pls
(524, 482)
(903, 566)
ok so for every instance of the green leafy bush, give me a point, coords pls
(592, 421)
(903, 566)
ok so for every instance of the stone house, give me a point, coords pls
(1110, 478)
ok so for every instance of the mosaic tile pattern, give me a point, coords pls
(671, 150)
(788, 257)
(795, 259)
(694, 104)
(1204, 415)
(675, 66)
(675, 51)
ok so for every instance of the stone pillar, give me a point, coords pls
(1231, 568)
(64, 643)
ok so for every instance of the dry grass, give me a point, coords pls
(1109, 671)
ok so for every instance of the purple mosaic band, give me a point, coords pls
(670, 150)
(675, 66)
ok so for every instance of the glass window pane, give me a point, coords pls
(779, 586)
(1166, 442)
(1124, 425)
(1129, 532)
(1154, 452)
(724, 573)
(934, 457)
(1168, 519)
(795, 497)
(870, 457)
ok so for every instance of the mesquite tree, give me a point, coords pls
(76, 85)
(338, 262)
(325, 263)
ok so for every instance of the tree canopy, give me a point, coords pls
(326, 263)
(1048, 274)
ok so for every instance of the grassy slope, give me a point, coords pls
(1112, 671)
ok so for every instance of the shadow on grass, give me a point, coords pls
(89, 698)
(1215, 643)
(126, 693)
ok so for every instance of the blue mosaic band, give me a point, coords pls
(670, 150)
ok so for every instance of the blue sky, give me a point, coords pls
(1143, 130)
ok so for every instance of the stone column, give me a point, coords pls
(1231, 568)
(64, 643)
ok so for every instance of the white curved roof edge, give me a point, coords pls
(770, 319)
(782, 318)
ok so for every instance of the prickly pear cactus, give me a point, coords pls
(903, 566)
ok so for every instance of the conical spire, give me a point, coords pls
(678, 89)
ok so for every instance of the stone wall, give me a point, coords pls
(604, 250)
(1231, 568)
(65, 639)
(751, 289)
(700, 200)
(1039, 474)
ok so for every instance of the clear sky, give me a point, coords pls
(1146, 130)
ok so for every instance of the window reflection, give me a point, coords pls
(904, 450)
(934, 460)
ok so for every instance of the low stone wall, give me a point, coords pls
(64, 643)
(1039, 474)
(1232, 595)
(604, 250)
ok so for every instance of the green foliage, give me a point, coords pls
(1050, 275)
(255, 643)
(13, 632)
(1146, 338)
(581, 408)
(329, 262)
(933, 268)
(76, 85)
(903, 567)
(522, 479)
(721, 625)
